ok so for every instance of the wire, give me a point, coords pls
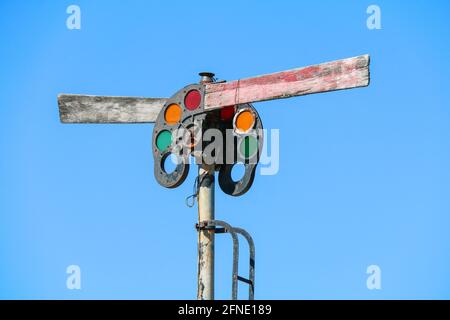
(195, 190)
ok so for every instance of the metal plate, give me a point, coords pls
(225, 155)
(177, 177)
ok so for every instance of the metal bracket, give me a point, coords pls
(227, 228)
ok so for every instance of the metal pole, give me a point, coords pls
(205, 285)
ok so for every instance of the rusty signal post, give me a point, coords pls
(225, 108)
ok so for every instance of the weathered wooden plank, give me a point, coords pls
(330, 76)
(100, 109)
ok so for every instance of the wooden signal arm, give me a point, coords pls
(330, 76)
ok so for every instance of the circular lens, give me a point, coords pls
(163, 140)
(245, 120)
(237, 172)
(170, 163)
(192, 100)
(249, 146)
(173, 114)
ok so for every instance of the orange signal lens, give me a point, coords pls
(245, 120)
(173, 114)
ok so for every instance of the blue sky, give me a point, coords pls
(364, 176)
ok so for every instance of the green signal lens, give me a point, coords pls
(249, 146)
(163, 140)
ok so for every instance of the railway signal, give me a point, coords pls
(183, 120)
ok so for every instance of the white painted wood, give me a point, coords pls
(100, 109)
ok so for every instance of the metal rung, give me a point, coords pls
(226, 228)
(244, 280)
(220, 230)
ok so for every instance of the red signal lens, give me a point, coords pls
(192, 100)
(227, 113)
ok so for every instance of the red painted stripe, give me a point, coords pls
(330, 76)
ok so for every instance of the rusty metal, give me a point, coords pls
(206, 77)
(251, 274)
